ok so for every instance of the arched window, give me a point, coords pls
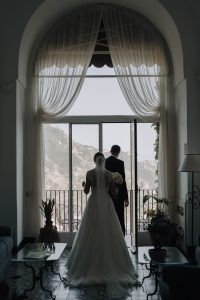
(131, 45)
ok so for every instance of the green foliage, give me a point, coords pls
(160, 227)
(156, 127)
(158, 220)
(160, 201)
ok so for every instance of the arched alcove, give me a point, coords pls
(29, 56)
(50, 11)
(47, 14)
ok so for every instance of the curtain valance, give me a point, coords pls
(70, 42)
(65, 40)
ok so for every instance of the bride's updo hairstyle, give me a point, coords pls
(99, 158)
(99, 179)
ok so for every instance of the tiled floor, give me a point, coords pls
(19, 278)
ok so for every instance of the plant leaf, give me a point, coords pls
(166, 201)
(146, 198)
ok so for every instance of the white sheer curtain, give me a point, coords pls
(60, 68)
(140, 62)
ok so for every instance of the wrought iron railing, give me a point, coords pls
(64, 211)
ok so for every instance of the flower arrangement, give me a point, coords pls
(117, 178)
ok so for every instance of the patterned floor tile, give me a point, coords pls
(19, 278)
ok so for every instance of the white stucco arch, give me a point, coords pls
(50, 10)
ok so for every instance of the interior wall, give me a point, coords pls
(8, 204)
(181, 179)
(183, 14)
(20, 109)
(193, 112)
(187, 95)
(13, 19)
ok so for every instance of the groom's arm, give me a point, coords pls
(124, 187)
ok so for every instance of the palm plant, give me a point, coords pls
(47, 209)
(49, 233)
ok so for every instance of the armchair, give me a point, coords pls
(6, 244)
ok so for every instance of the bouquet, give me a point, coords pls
(117, 178)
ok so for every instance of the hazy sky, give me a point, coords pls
(102, 96)
(117, 134)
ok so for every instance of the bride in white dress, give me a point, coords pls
(99, 253)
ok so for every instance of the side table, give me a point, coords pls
(47, 254)
(155, 265)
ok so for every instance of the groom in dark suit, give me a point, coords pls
(114, 164)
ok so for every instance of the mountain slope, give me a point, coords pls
(57, 162)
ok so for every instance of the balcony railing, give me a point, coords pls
(64, 212)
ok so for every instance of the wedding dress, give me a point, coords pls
(99, 253)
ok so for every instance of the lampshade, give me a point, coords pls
(190, 163)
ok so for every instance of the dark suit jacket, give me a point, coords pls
(113, 164)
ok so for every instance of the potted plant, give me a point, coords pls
(162, 230)
(49, 233)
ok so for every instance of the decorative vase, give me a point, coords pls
(157, 254)
(49, 234)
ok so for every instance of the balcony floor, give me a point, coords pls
(18, 278)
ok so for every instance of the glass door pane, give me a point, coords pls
(146, 174)
(119, 133)
(85, 143)
(56, 163)
(134, 190)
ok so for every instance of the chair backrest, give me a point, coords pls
(62, 216)
(5, 231)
